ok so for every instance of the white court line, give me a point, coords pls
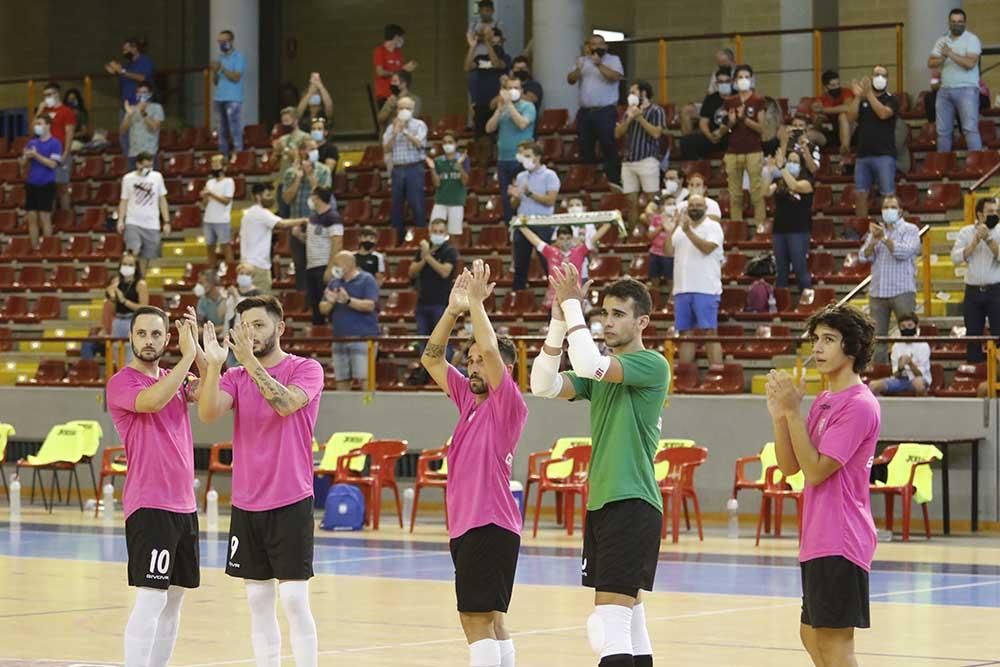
(407, 554)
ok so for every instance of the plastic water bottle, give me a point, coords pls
(733, 523)
(197, 485)
(772, 304)
(15, 498)
(212, 513)
(408, 502)
(108, 510)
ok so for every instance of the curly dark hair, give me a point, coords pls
(854, 326)
(630, 288)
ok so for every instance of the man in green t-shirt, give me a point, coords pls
(449, 172)
(626, 390)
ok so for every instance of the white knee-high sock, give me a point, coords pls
(484, 653)
(507, 652)
(640, 635)
(140, 631)
(265, 635)
(166, 628)
(301, 625)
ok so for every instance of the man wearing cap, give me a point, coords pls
(217, 196)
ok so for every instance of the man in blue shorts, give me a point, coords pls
(874, 108)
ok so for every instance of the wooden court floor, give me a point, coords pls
(387, 599)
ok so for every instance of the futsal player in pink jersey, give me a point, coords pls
(484, 522)
(275, 398)
(834, 447)
(148, 405)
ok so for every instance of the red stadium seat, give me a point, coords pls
(17, 248)
(400, 275)
(977, 164)
(400, 305)
(941, 197)
(551, 121)
(935, 167)
(357, 212)
(32, 278)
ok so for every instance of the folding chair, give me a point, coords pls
(92, 433)
(61, 450)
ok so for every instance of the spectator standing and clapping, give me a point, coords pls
(404, 141)
(745, 150)
(351, 302)
(324, 239)
(486, 62)
(449, 172)
(285, 149)
(957, 56)
(217, 196)
(388, 60)
(141, 123)
(316, 104)
(64, 126)
(533, 91)
(911, 362)
(399, 88)
(891, 247)
(138, 68)
(227, 73)
(793, 197)
(40, 159)
(328, 153)
(534, 192)
(598, 73)
(367, 257)
(299, 182)
(833, 109)
(978, 246)
(874, 109)
(514, 123)
(142, 208)
(433, 271)
(642, 126)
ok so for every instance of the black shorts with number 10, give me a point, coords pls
(162, 549)
(273, 544)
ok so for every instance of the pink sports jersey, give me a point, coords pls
(577, 256)
(481, 455)
(272, 455)
(158, 446)
(837, 513)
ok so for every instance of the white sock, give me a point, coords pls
(166, 628)
(506, 652)
(610, 630)
(265, 635)
(140, 631)
(640, 636)
(484, 653)
(301, 626)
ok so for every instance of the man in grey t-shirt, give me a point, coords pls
(598, 73)
(142, 122)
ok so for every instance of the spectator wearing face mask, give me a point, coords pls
(449, 173)
(696, 186)
(697, 246)
(673, 185)
(126, 292)
(799, 138)
(793, 197)
(256, 231)
(598, 73)
(398, 88)
(484, 22)
(367, 257)
(833, 108)
(298, 184)
(534, 192)
(957, 56)
(138, 68)
(217, 197)
(73, 98)
(745, 152)
(350, 300)
(514, 123)
(891, 247)
(328, 153)
(712, 131)
(404, 142)
(38, 163)
(141, 123)
(316, 104)
(660, 221)
(387, 60)
(725, 59)
(211, 299)
(533, 90)
(565, 249)
(285, 149)
(142, 208)
(243, 289)
(433, 272)
(485, 70)
(63, 127)
(227, 74)
(642, 126)
(978, 247)
(324, 236)
(911, 363)
(875, 110)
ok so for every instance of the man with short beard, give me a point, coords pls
(149, 407)
(484, 519)
(275, 398)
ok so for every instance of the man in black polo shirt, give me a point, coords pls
(711, 133)
(433, 272)
(875, 110)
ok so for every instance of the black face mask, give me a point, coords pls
(696, 214)
(600, 52)
(127, 55)
(216, 172)
(908, 332)
(992, 220)
(367, 246)
(835, 92)
(394, 89)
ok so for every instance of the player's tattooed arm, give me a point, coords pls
(284, 400)
(433, 351)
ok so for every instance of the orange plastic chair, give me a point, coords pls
(382, 455)
(430, 478)
(778, 492)
(113, 464)
(217, 467)
(678, 486)
(570, 486)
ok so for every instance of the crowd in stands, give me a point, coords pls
(657, 157)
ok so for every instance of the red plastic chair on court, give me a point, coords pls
(777, 492)
(382, 456)
(216, 467)
(572, 485)
(113, 465)
(678, 486)
(430, 478)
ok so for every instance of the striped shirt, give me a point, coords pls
(403, 150)
(984, 268)
(639, 143)
(893, 273)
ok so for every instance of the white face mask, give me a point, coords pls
(244, 281)
(405, 114)
(529, 163)
(633, 100)
(596, 328)
(51, 100)
(337, 272)
(448, 148)
(127, 270)
(310, 205)
(671, 186)
(314, 155)
(879, 82)
(726, 89)
(743, 85)
(670, 210)
(199, 290)
(515, 94)
(39, 129)
(438, 239)
(575, 210)
(890, 215)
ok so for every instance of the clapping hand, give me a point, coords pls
(513, 191)
(784, 394)
(425, 248)
(458, 300)
(685, 222)
(857, 88)
(215, 354)
(632, 112)
(945, 50)
(982, 231)
(241, 343)
(478, 287)
(565, 282)
(187, 338)
(398, 125)
(878, 231)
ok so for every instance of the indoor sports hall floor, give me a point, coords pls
(386, 598)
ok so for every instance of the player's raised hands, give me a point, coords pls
(458, 300)
(478, 286)
(565, 281)
(215, 353)
(187, 338)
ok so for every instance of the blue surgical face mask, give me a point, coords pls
(890, 215)
(315, 100)
(794, 168)
(317, 135)
(144, 97)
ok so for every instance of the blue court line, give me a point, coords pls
(770, 578)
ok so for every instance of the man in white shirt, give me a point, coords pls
(911, 363)
(256, 228)
(218, 199)
(696, 244)
(957, 56)
(143, 205)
